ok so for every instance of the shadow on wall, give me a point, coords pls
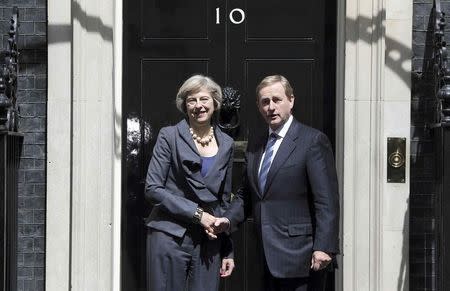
(398, 59)
(63, 33)
(397, 55)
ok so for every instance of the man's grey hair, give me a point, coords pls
(270, 80)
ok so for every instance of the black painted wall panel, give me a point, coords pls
(423, 217)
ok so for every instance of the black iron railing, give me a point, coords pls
(10, 150)
(9, 69)
(441, 69)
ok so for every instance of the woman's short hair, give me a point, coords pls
(270, 80)
(194, 85)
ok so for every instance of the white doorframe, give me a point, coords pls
(117, 164)
(340, 114)
(59, 139)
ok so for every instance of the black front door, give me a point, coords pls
(237, 43)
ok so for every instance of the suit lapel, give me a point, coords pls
(185, 134)
(216, 173)
(284, 151)
(206, 188)
(256, 161)
(190, 162)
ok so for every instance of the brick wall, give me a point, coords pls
(423, 196)
(32, 98)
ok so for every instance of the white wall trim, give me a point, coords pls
(364, 68)
(84, 145)
(93, 145)
(340, 113)
(377, 106)
(59, 107)
(117, 163)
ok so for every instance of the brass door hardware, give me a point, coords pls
(396, 159)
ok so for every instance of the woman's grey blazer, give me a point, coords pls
(175, 186)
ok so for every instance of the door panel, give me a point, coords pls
(284, 38)
(157, 19)
(158, 105)
(287, 19)
(166, 41)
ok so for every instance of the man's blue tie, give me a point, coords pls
(265, 166)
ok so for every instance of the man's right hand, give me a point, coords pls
(320, 260)
(222, 224)
(213, 225)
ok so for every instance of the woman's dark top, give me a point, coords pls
(206, 164)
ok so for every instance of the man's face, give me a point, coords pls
(274, 106)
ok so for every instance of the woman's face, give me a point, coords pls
(200, 108)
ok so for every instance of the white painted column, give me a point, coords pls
(59, 106)
(117, 159)
(396, 122)
(361, 170)
(93, 145)
(377, 106)
(84, 145)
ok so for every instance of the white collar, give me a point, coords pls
(282, 130)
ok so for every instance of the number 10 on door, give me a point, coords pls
(236, 16)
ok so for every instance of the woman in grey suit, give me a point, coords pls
(189, 185)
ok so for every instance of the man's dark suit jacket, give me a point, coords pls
(298, 211)
(175, 186)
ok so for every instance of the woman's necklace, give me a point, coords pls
(204, 141)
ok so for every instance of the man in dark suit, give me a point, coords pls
(291, 183)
